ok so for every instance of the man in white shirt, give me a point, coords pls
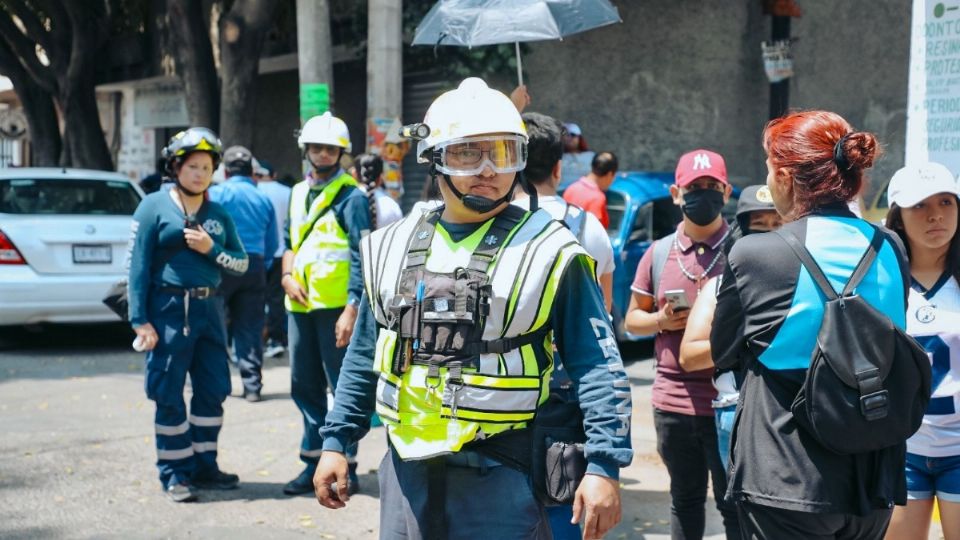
(279, 195)
(544, 154)
(543, 170)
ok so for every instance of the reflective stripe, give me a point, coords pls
(204, 447)
(387, 393)
(174, 454)
(513, 363)
(311, 453)
(171, 430)
(492, 399)
(206, 421)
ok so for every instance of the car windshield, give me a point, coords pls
(616, 205)
(67, 196)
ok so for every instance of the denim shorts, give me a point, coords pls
(929, 476)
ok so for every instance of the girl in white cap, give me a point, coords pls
(923, 211)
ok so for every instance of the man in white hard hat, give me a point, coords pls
(453, 348)
(322, 280)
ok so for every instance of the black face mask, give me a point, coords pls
(702, 206)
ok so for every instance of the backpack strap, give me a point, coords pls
(817, 273)
(864, 265)
(576, 223)
(661, 251)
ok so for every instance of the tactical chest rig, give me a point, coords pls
(439, 318)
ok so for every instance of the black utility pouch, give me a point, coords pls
(565, 466)
(558, 463)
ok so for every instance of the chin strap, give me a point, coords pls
(482, 205)
(189, 193)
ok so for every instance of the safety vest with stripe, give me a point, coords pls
(322, 248)
(430, 411)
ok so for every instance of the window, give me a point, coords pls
(654, 220)
(616, 206)
(67, 196)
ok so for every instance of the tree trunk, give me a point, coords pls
(43, 128)
(84, 143)
(194, 56)
(242, 30)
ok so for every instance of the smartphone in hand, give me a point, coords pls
(677, 298)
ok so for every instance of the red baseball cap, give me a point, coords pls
(700, 163)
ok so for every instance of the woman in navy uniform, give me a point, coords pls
(181, 244)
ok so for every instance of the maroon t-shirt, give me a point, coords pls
(675, 390)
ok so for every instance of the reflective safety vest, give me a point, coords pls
(322, 249)
(493, 385)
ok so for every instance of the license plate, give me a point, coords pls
(92, 254)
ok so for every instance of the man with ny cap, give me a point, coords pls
(680, 264)
(243, 295)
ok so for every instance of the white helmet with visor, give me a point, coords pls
(470, 129)
(471, 112)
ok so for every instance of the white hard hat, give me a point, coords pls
(325, 129)
(472, 109)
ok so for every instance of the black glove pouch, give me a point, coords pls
(559, 462)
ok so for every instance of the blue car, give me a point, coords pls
(641, 211)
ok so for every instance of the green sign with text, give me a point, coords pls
(314, 100)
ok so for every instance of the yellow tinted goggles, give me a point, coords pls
(471, 155)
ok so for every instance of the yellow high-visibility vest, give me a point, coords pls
(322, 248)
(424, 415)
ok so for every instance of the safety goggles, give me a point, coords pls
(199, 139)
(471, 155)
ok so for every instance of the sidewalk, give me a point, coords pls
(77, 460)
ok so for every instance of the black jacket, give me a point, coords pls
(759, 308)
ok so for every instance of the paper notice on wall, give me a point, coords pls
(777, 60)
(933, 102)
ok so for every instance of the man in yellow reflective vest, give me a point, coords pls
(453, 349)
(322, 280)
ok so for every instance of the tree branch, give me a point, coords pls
(25, 50)
(31, 21)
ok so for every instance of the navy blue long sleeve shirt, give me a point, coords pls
(352, 211)
(586, 344)
(252, 213)
(159, 256)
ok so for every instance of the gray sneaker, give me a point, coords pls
(273, 349)
(180, 493)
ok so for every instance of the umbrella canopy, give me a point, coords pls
(470, 23)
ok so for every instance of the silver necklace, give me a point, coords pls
(697, 279)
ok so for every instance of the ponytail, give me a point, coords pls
(369, 168)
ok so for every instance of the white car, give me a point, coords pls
(63, 243)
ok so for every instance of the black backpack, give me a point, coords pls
(868, 383)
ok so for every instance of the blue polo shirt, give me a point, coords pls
(252, 212)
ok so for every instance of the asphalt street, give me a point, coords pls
(77, 456)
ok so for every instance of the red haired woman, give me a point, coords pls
(769, 312)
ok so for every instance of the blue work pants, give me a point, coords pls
(315, 363)
(187, 445)
(273, 297)
(479, 504)
(244, 298)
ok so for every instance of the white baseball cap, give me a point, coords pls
(915, 183)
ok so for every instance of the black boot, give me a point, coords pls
(303, 483)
